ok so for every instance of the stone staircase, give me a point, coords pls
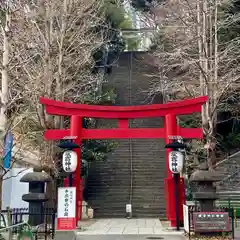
(229, 198)
(134, 173)
(230, 168)
(112, 184)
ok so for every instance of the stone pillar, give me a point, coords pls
(205, 190)
(36, 196)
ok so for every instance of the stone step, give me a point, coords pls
(136, 177)
(111, 198)
(126, 188)
(135, 202)
(123, 215)
(126, 184)
(141, 172)
(135, 212)
(135, 209)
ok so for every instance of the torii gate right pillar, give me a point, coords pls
(171, 129)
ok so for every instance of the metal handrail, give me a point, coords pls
(45, 225)
(228, 158)
(230, 176)
(4, 220)
(9, 229)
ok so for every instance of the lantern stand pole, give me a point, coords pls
(176, 177)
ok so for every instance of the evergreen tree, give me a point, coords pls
(230, 14)
(143, 5)
(117, 20)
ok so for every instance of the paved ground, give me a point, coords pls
(126, 227)
(129, 237)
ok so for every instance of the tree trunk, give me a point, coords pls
(211, 153)
(5, 61)
(4, 89)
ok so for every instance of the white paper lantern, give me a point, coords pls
(69, 161)
(176, 159)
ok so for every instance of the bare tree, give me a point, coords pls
(46, 50)
(53, 45)
(193, 62)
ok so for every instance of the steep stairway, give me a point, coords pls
(135, 171)
(136, 178)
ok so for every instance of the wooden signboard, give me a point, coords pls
(211, 222)
(66, 219)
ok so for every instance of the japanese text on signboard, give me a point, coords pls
(66, 215)
(66, 203)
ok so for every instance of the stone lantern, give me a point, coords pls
(205, 189)
(36, 196)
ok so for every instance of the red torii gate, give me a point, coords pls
(169, 111)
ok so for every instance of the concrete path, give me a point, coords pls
(237, 234)
(129, 237)
(127, 226)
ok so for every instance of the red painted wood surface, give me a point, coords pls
(108, 133)
(123, 123)
(117, 112)
(76, 130)
(119, 133)
(170, 199)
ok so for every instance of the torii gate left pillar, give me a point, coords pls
(169, 111)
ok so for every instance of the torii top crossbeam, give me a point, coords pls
(123, 112)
